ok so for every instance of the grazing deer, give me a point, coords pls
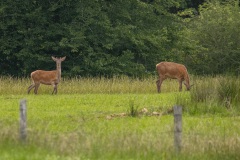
(47, 77)
(173, 71)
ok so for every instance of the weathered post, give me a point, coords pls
(23, 120)
(177, 111)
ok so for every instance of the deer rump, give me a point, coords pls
(172, 70)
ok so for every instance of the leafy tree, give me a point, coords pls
(100, 37)
(215, 35)
(121, 37)
(30, 34)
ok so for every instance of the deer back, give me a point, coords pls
(172, 70)
(45, 77)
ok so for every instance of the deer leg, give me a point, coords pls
(159, 84)
(54, 89)
(36, 88)
(180, 84)
(30, 88)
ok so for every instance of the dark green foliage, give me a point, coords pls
(31, 32)
(106, 37)
(215, 39)
(98, 37)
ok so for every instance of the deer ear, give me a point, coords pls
(63, 58)
(54, 58)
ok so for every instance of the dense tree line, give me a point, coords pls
(215, 39)
(114, 37)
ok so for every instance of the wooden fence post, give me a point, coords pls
(23, 120)
(177, 111)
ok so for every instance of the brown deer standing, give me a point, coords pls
(173, 71)
(47, 77)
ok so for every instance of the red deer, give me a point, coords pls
(173, 71)
(47, 77)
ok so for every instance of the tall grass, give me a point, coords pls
(90, 85)
(208, 94)
(215, 95)
(75, 124)
(229, 91)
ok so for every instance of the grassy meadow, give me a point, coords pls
(120, 118)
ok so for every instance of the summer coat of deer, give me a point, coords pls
(47, 77)
(173, 71)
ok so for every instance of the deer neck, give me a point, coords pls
(59, 72)
(187, 82)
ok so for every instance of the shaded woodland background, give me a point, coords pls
(119, 37)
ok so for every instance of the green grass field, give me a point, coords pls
(91, 118)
